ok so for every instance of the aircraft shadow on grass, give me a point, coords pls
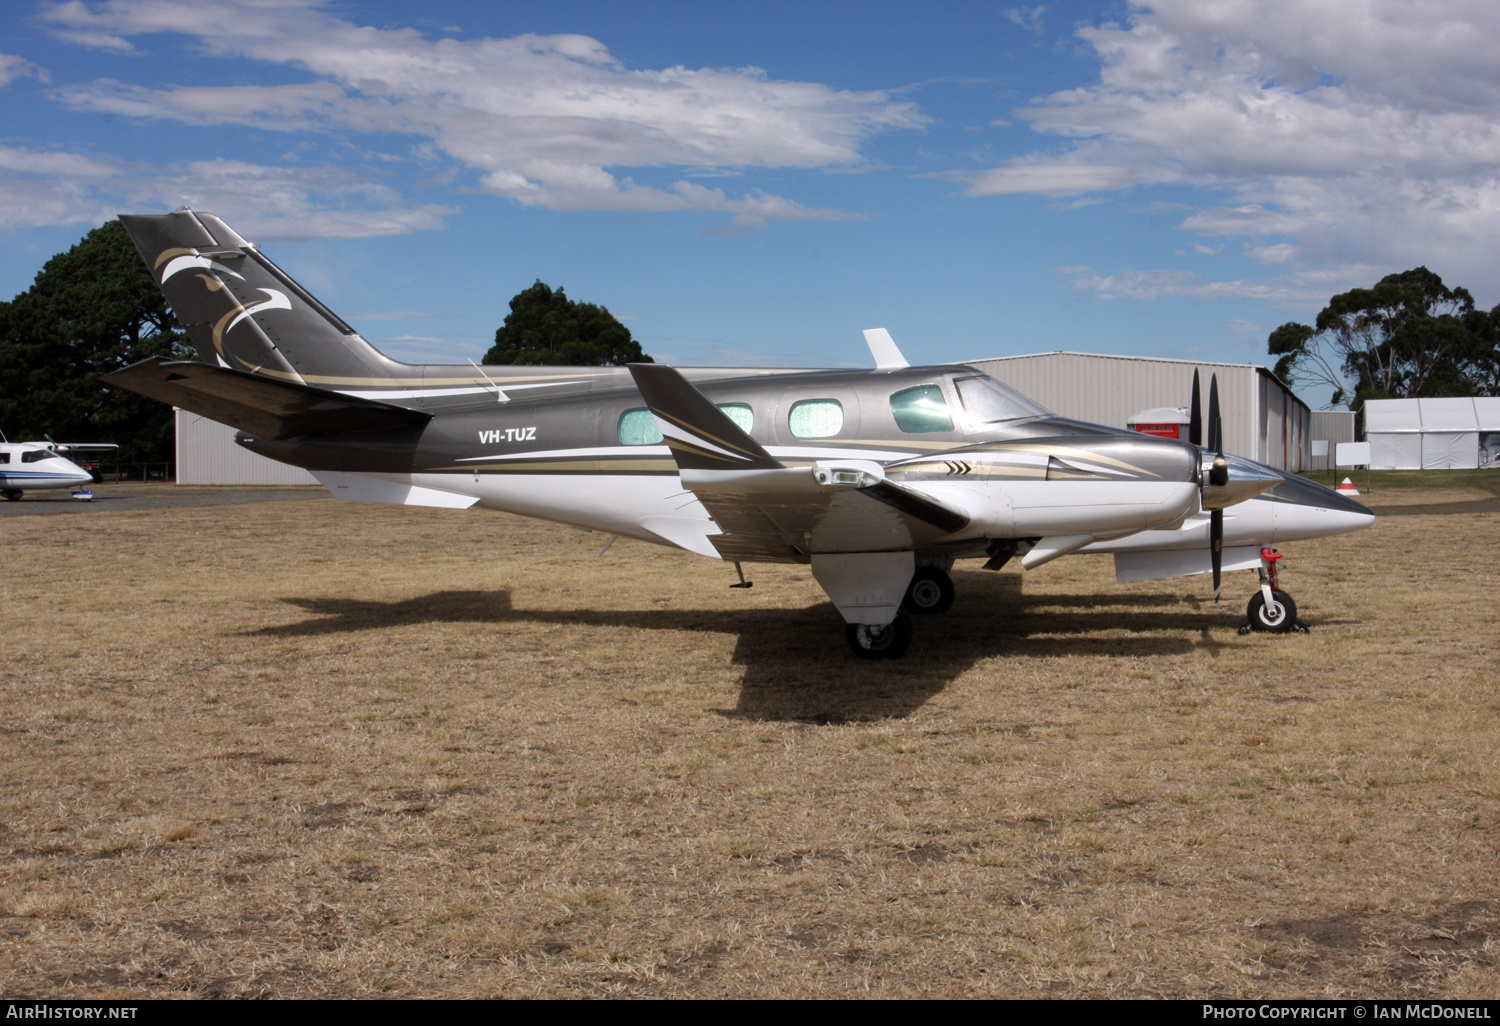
(796, 667)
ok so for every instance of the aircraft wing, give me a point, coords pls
(67, 447)
(769, 511)
(259, 405)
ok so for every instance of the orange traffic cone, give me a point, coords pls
(1347, 488)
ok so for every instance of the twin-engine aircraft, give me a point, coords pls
(878, 479)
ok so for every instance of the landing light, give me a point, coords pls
(845, 477)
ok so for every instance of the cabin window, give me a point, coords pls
(987, 401)
(4, 457)
(36, 455)
(921, 409)
(742, 415)
(638, 427)
(816, 418)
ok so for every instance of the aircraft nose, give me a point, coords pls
(1295, 520)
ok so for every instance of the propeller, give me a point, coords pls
(1218, 475)
(1195, 417)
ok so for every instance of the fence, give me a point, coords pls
(136, 471)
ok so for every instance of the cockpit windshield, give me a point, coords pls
(986, 401)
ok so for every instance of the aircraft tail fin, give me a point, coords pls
(699, 434)
(245, 313)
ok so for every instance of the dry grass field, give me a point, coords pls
(322, 749)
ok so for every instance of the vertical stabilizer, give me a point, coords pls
(244, 312)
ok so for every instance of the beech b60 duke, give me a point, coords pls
(877, 479)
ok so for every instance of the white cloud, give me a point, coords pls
(542, 120)
(13, 67)
(1299, 291)
(49, 187)
(1360, 130)
(1049, 178)
(1029, 18)
(1240, 326)
(1281, 253)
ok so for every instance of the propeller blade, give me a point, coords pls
(1216, 547)
(1195, 414)
(1215, 425)
(1217, 475)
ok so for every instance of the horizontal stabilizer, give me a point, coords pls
(259, 405)
(699, 434)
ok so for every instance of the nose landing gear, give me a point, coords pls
(1271, 610)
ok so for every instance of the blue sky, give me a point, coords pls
(755, 183)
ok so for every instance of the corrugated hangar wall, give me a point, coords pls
(207, 455)
(1263, 419)
(1334, 426)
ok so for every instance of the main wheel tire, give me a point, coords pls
(871, 642)
(1277, 620)
(930, 591)
(11, 495)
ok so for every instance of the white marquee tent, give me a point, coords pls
(1433, 434)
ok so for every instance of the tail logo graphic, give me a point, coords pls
(278, 301)
(183, 261)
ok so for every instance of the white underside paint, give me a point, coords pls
(656, 508)
(394, 489)
(866, 587)
(1148, 566)
(612, 503)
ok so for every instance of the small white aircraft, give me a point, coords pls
(35, 466)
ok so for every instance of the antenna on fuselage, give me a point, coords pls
(500, 396)
(883, 348)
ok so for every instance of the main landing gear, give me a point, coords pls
(869, 641)
(930, 591)
(1271, 610)
(12, 494)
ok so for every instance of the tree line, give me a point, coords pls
(91, 310)
(1409, 337)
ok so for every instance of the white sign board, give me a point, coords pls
(1353, 454)
(1320, 447)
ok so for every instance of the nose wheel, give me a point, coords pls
(1271, 610)
(1275, 617)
